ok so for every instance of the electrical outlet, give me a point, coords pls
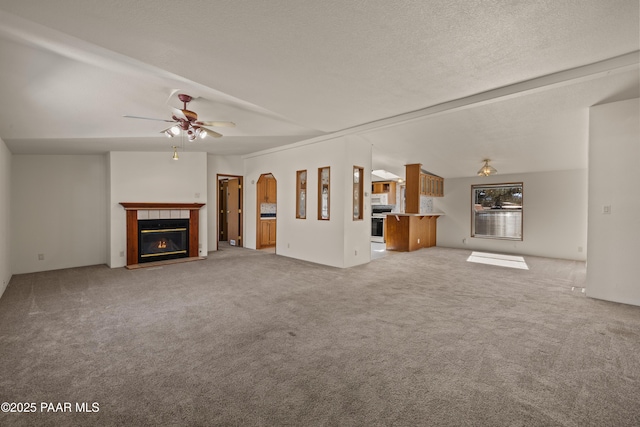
(606, 209)
(121, 254)
(40, 257)
(356, 251)
(418, 240)
(579, 248)
(197, 195)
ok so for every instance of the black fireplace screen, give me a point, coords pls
(163, 239)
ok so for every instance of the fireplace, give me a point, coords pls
(162, 239)
(163, 232)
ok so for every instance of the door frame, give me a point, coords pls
(258, 223)
(240, 178)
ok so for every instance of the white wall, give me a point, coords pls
(223, 165)
(613, 267)
(332, 242)
(153, 177)
(357, 249)
(554, 215)
(5, 216)
(58, 209)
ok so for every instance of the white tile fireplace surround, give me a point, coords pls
(164, 214)
(145, 210)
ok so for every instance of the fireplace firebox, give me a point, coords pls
(162, 239)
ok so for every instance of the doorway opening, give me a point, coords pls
(267, 199)
(229, 210)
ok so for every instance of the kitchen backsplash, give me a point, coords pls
(426, 204)
(268, 208)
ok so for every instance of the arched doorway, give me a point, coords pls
(266, 204)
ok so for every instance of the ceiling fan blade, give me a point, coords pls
(211, 133)
(218, 124)
(179, 114)
(149, 118)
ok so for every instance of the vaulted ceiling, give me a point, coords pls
(442, 83)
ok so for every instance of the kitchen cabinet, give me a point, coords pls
(267, 232)
(269, 189)
(382, 187)
(420, 183)
(431, 185)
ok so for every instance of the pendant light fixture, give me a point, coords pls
(175, 153)
(487, 169)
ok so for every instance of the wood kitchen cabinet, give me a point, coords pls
(388, 187)
(269, 189)
(419, 183)
(431, 185)
(267, 232)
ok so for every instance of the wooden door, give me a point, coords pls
(233, 211)
(222, 212)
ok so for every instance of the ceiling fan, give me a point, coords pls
(187, 121)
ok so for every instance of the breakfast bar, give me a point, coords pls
(407, 232)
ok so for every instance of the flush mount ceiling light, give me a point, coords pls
(487, 169)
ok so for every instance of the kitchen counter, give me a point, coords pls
(414, 214)
(407, 232)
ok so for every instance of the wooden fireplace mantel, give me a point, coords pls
(141, 206)
(132, 209)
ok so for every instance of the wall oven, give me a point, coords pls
(378, 218)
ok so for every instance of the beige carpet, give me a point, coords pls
(251, 338)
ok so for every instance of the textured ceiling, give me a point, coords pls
(287, 71)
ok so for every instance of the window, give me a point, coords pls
(358, 187)
(323, 193)
(497, 211)
(301, 194)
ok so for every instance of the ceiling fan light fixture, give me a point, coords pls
(187, 121)
(487, 169)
